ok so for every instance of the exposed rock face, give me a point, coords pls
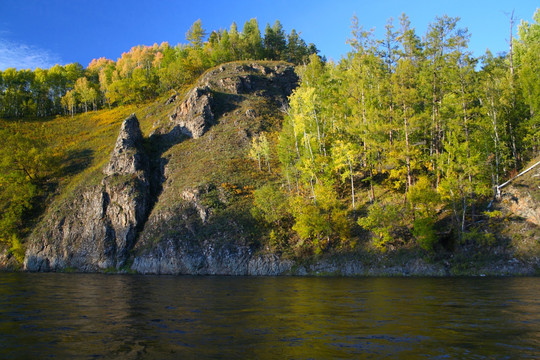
(96, 229)
(523, 197)
(176, 239)
(108, 224)
(277, 80)
(180, 257)
(194, 115)
(128, 156)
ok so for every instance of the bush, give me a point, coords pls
(381, 220)
(424, 232)
(270, 204)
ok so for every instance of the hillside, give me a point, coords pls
(389, 161)
(175, 195)
(186, 188)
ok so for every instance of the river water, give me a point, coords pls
(79, 316)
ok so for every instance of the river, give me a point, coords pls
(97, 316)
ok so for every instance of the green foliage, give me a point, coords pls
(528, 65)
(195, 35)
(260, 149)
(275, 42)
(270, 204)
(424, 232)
(411, 127)
(26, 164)
(423, 201)
(320, 225)
(479, 237)
(381, 221)
(16, 248)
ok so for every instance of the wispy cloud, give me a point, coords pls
(22, 56)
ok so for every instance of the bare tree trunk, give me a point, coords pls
(352, 183)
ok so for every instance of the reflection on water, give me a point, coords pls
(123, 316)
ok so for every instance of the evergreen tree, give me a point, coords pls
(195, 35)
(252, 44)
(275, 43)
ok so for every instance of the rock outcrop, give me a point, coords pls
(128, 157)
(137, 213)
(194, 115)
(191, 231)
(180, 257)
(522, 197)
(276, 80)
(96, 228)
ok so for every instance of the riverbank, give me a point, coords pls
(401, 263)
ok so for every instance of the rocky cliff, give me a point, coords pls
(166, 209)
(97, 229)
(522, 197)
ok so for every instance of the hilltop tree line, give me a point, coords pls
(406, 137)
(144, 72)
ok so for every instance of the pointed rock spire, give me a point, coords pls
(128, 156)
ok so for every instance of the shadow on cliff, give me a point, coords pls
(225, 102)
(158, 144)
(155, 147)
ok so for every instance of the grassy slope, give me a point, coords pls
(85, 142)
(87, 139)
(217, 165)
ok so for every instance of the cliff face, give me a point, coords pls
(97, 229)
(522, 197)
(198, 226)
(165, 210)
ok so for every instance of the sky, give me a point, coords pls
(42, 33)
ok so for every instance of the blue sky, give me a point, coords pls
(41, 33)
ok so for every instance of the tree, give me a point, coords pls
(407, 100)
(381, 221)
(442, 38)
(344, 155)
(423, 200)
(296, 49)
(270, 204)
(73, 72)
(25, 165)
(361, 80)
(528, 64)
(260, 149)
(86, 93)
(251, 41)
(275, 43)
(195, 35)
(69, 101)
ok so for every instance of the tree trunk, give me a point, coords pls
(352, 183)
